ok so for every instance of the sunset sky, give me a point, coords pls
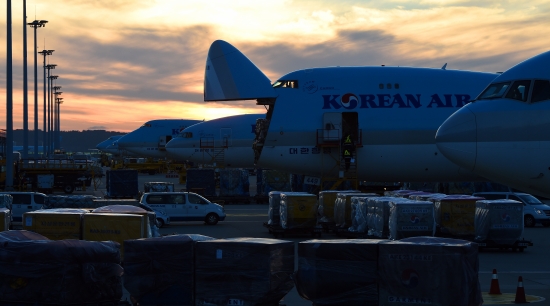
(124, 62)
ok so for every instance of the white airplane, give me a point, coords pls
(392, 114)
(150, 139)
(110, 145)
(226, 142)
(504, 134)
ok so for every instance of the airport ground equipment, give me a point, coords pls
(47, 175)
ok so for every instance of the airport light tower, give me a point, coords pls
(25, 86)
(56, 93)
(50, 114)
(36, 24)
(47, 110)
(45, 53)
(59, 101)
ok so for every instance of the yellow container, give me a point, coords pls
(129, 209)
(455, 215)
(55, 224)
(5, 219)
(298, 210)
(114, 227)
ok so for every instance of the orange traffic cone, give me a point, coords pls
(520, 292)
(495, 288)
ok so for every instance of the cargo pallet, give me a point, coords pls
(520, 245)
(277, 230)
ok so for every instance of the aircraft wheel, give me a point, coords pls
(68, 188)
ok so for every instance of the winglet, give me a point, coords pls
(230, 75)
(444, 67)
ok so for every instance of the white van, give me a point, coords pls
(184, 206)
(24, 202)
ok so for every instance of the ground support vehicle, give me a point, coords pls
(47, 175)
(278, 230)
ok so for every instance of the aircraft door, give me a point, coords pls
(332, 126)
(225, 134)
(350, 126)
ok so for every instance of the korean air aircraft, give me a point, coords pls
(150, 139)
(504, 135)
(226, 142)
(110, 145)
(391, 113)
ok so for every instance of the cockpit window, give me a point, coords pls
(288, 84)
(519, 90)
(147, 124)
(541, 91)
(494, 91)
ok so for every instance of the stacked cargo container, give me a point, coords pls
(298, 210)
(234, 182)
(201, 181)
(122, 183)
(243, 271)
(499, 221)
(410, 218)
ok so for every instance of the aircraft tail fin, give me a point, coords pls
(230, 75)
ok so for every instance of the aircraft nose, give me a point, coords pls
(173, 146)
(456, 138)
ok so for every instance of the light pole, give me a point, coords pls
(45, 53)
(47, 111)
(50, 112)
(25, 86)
(9, 102)
(56, 93)
(36, 24)
(58, 138)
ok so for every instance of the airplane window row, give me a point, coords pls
(388, 86)
(518, 90)
(287, 84)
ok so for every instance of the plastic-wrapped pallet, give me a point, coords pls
(417, 271)
(72, 201)
(158, 187)
(410, 218)
(160, 271)
(379, 221)
(202, 181)
(338, 272)
(275, 180)
(327, 200)
(38, 271)
(55, 224)
(500, 221)
(274, 213)
(122, 183)
(234, 182)
(455, 215)
(342, 207)
(427, 196)
(6, 201)
(396, 193)
(298, 210)
(359, 211)
(243, 271)
(5, 219)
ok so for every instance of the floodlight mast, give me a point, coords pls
(36, 24)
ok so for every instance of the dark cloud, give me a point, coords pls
(97, 127)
